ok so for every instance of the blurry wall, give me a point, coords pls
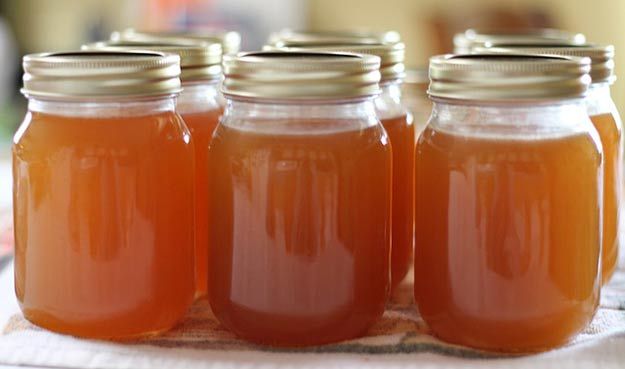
(44, 25)
(65, 24)
(602, 21)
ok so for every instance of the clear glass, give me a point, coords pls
(300, 213)
(398, 123)
(508, 223)
(199, 107)
(420, 106)
(607, 121)
(103, 211)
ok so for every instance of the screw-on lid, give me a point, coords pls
(391, 55)
(88, 75)
(199, 60)
(230, 40)
(490, 77)
(335, 37)
(602, 57)
(470, 39)
(286, 75)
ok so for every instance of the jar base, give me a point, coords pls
(548, 333)
(293, 332)
(47, 322)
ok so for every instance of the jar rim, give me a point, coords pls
(601, 56)
(391, 55)
(199, 59)
(508, 77)
(300, 75)
(100, 75)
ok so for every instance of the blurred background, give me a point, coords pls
(426, 26)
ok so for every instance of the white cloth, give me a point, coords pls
(602, 345)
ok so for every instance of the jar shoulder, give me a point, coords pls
(45, 132)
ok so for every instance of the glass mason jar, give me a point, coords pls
(472, 39)
(606, 119)
(300, 199)
(508, 202)
(200, 107)
(103, 195)
(398, 123)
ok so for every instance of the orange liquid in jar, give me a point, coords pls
(508, 235)
(202, 125)
(103, 223)
(401, 133)
(610, 133)
(300, 233)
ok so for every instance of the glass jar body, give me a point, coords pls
(199, 107)
(103, 199)
(607, 121)
(300, 221)
(398, 123)
(508, 224)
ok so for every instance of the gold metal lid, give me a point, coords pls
(470, 39)
(335, 37)
(391, 55)
(230, 40)
(295, 75)
(89, 75)
(602, 57)
(199, 60)
(492, 77)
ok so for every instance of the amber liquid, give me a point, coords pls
(401, 133)
(508, 238)
(103, 223)
(610, 133)
(202, 125)
(300, 233)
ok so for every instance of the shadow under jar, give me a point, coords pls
(508, 203)
(606, 119)
(199, 106)
(103, 195)
(300, 199)
(398, 123)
